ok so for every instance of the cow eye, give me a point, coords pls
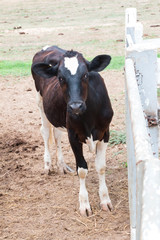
(61, 80)
(85, 77)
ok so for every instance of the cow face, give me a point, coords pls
(73, 77)
(72, 72)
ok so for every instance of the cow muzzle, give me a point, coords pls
(76, 108)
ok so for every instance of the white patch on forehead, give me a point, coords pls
(71, 64)
(45, 48)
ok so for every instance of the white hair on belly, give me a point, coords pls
(71, 64)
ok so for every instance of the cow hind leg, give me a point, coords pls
(46, 132)
(59, 155)
(100, 164)
(61, 165)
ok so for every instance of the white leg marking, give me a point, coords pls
(100, 167)
(60, 161)
(91, 144)
(61, 165)
(84, 208)
(46, 131)
(71, 64)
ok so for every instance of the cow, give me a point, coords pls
(72, 95)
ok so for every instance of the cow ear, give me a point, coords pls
(44, 70)
(99, 63)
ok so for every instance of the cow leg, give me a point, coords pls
(46, 131)
(84, 207)
(100, 164)
(82, 169)
(60, 161)
(61, 165)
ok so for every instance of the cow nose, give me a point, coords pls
(76, 107)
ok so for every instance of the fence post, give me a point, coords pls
(145, 67)
(131, 170)
(133, 28)
(147, 167)
(141, 67)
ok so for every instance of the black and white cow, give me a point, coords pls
(72, 95)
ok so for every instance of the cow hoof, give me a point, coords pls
(86, 212)
(47, 172)
(69, 169)
(47, 168)
(63, 169)
(107, 206)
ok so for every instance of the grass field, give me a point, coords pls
(23, 68)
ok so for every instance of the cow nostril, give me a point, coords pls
(76, 106)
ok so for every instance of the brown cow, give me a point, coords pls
(72, 95)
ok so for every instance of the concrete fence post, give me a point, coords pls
(142, 74)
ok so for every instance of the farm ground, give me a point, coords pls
(44, 207)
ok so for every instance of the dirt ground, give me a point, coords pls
(45, 207)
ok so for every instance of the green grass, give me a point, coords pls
(117, 137)
(117, 63)
(158, 55)
(15, 68)
(125, 165)
(18, 68)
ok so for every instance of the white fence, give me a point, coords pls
(142, 75)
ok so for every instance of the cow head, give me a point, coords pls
(72, 72)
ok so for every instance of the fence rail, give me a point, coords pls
(142, 74)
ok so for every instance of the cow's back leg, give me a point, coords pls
(61, 165)
(59, 155)
(100, 164)
(47, 132)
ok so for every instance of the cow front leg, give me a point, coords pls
(82, 170)
(100, 164)
(46, 132)
(84, 205)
